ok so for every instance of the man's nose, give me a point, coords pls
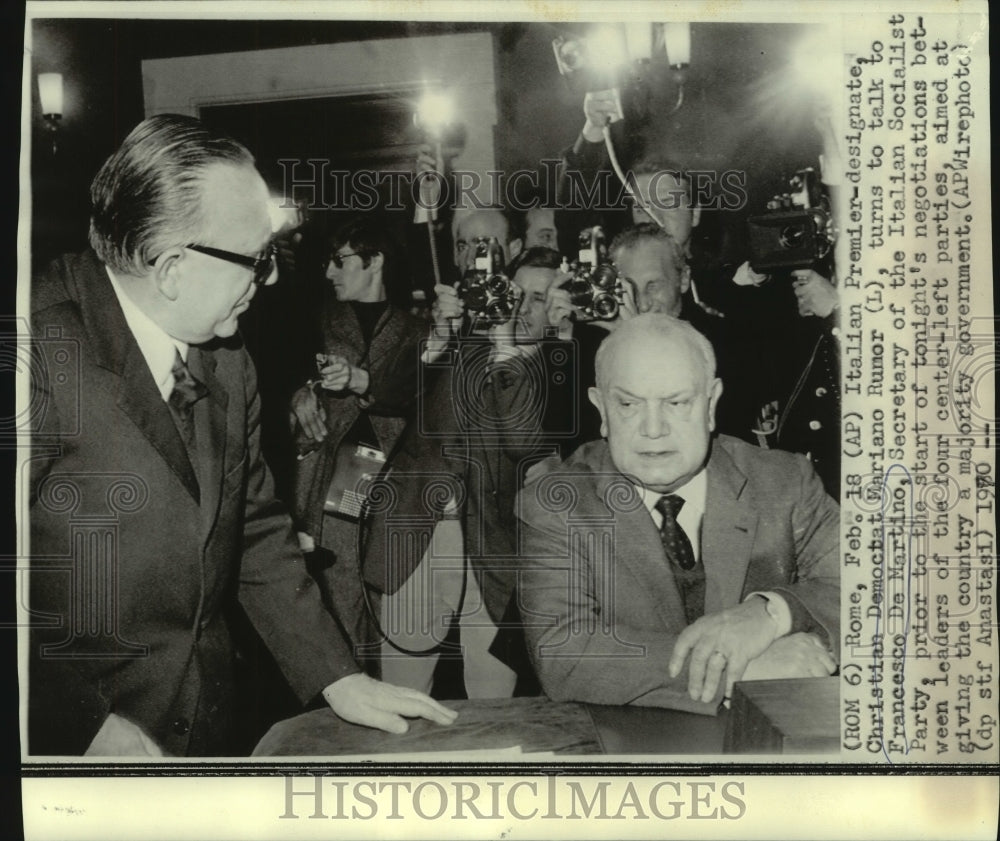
(331, 270)
(654, 423)
(650, 304)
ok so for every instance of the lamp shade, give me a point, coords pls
(50, 92)
(677, 40)
(639, 40)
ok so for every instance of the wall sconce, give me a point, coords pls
(677, 43)
(50, 92)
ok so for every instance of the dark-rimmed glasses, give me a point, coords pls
(263, 266)
(338, 259)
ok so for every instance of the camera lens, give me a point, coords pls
(792, 236)
(605, 306)
(605, 276)
(497, 285)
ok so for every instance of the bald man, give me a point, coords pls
(664, 563)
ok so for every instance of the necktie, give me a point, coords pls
(675, 541)
(186, 392)
(688, 575)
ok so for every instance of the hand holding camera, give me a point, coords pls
(559, 308)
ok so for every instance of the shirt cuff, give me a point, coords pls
(778, 610)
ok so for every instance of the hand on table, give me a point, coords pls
(360, 699)
(795, 655)
(722, 642)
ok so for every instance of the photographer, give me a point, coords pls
(656, 278)
(792, 302)
(498, 405)
(359, 403)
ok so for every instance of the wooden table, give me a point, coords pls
(785, 716)
(538, 725)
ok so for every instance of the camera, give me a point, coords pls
(486, 291)
(595, 288)
(797, 229)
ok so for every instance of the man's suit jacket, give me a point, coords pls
(133, 562)
(601, 608)
(479, 428)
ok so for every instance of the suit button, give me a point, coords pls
(821, 392)
(181, 726)
(814, 425)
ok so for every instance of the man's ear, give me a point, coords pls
(714, 393)
(695, 216)
(376, 261)
(597, 399)
(167, 272)
(515, 247)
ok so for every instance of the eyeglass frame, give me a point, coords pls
(338, 259)
(263, 266)
(266, 261)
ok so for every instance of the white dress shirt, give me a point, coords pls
(158, 349)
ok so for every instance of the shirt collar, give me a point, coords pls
(157, 347)
(693, 492)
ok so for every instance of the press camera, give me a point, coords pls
(486, 291)
(797, 230)
(595, 288)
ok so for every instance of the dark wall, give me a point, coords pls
(102, 102)
(727, 118)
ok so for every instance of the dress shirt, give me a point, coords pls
(157, 348)
(694, 493)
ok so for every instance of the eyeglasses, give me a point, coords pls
(263, 266)
(338, 259)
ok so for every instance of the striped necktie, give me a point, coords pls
(186, 392)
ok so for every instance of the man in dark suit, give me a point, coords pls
(662, 547)
(151, 507)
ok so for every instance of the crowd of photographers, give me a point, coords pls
(412, 429)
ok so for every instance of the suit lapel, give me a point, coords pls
(727, 532)
(115, 349)
(637, 545)
(210, 426)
